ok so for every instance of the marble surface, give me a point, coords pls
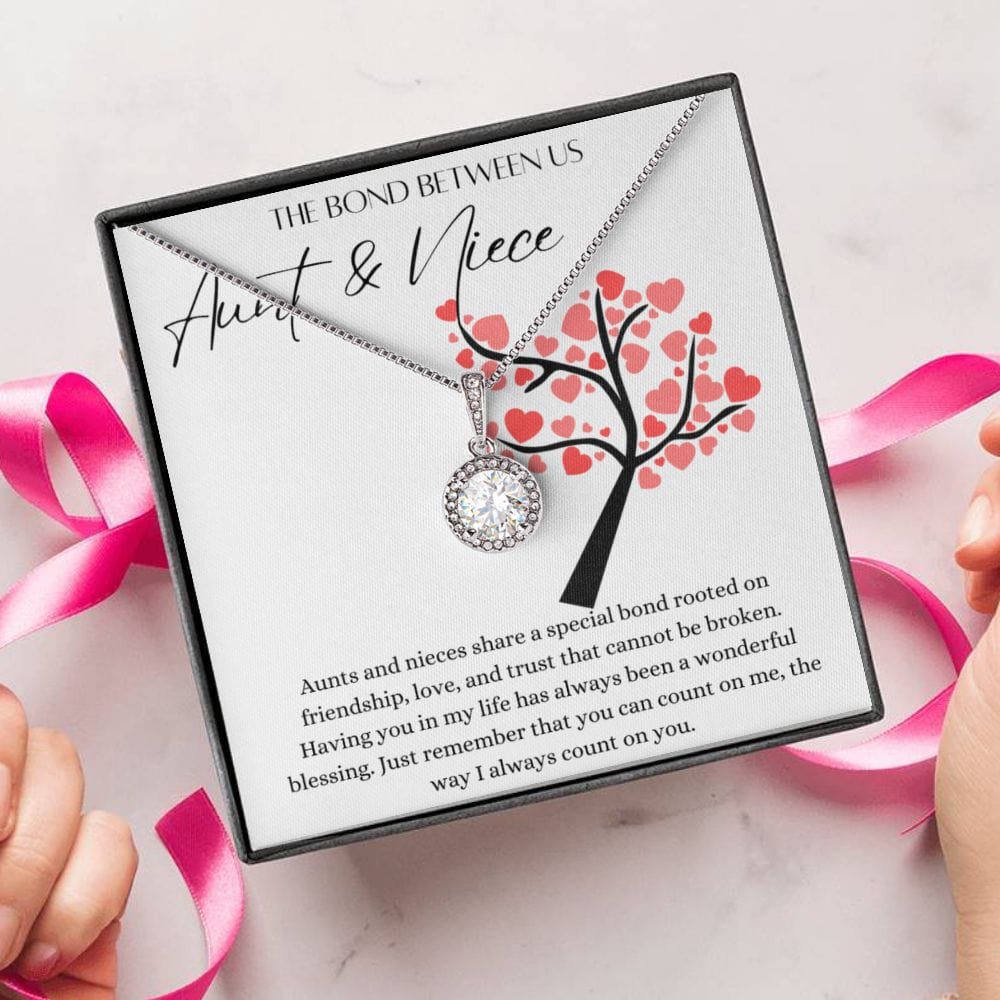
(757, 877)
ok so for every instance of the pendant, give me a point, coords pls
(492, 503)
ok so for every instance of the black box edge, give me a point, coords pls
(106, 221)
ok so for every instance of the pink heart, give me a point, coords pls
(564, 426)
(706, 347)
(587, 428)
(452, 338)
(630, 298)
(700, 413)
(702, 323)
(703, 365)
(635, 356)
(492, 331)
(680, 456)
(566, 389)
(640, 328)
(743, 420)
(707, 444)
(545, 345)
(666, 398)
(674, 345)
(465, 358)
(575, 462)
(578, 324)
(523, 376)
(575, 353)
(611, 283)
(488, 368)
(706, 388)
(614, 315)
(523, 425)
(653, 426)
(536, 464)
(448, 311)
(665, 295)
(740, 386)
(596, 362)
(648, 480)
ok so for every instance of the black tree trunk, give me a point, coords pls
(585, 582)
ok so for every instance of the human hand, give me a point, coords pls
(968, 770)
(64, 877)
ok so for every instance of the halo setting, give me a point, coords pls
(492, 503)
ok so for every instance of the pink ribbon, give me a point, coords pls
(921, 399)
(114, 472)
(125, 531)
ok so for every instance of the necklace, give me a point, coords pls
(491, 502)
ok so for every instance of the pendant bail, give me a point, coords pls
(474, 391)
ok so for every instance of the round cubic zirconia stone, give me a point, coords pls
(494, 504)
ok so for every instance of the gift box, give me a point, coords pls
(633, 565)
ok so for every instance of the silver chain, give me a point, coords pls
(383, 352)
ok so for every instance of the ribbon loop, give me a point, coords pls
(915, 739)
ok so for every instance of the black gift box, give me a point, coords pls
(188, 601)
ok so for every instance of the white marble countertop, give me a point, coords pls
(756, 877)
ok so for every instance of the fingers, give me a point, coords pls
(982, 590)
(71, 989)
(88, 896)
(989, 433)
(34, 854)
(978, 546)
(13, 744)
(98, 965)
(979, 535)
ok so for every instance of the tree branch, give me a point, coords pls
(678, 433)
(625, 407)
(556, 445)
(690, 435)
(548, 365)
(626, 323)
(538, 380)
(718, 418)
(688, 394)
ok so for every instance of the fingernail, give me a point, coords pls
(38, 961)
(6, 801)
(977, 520)
(10, 927)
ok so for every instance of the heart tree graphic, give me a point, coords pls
(671, 416)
